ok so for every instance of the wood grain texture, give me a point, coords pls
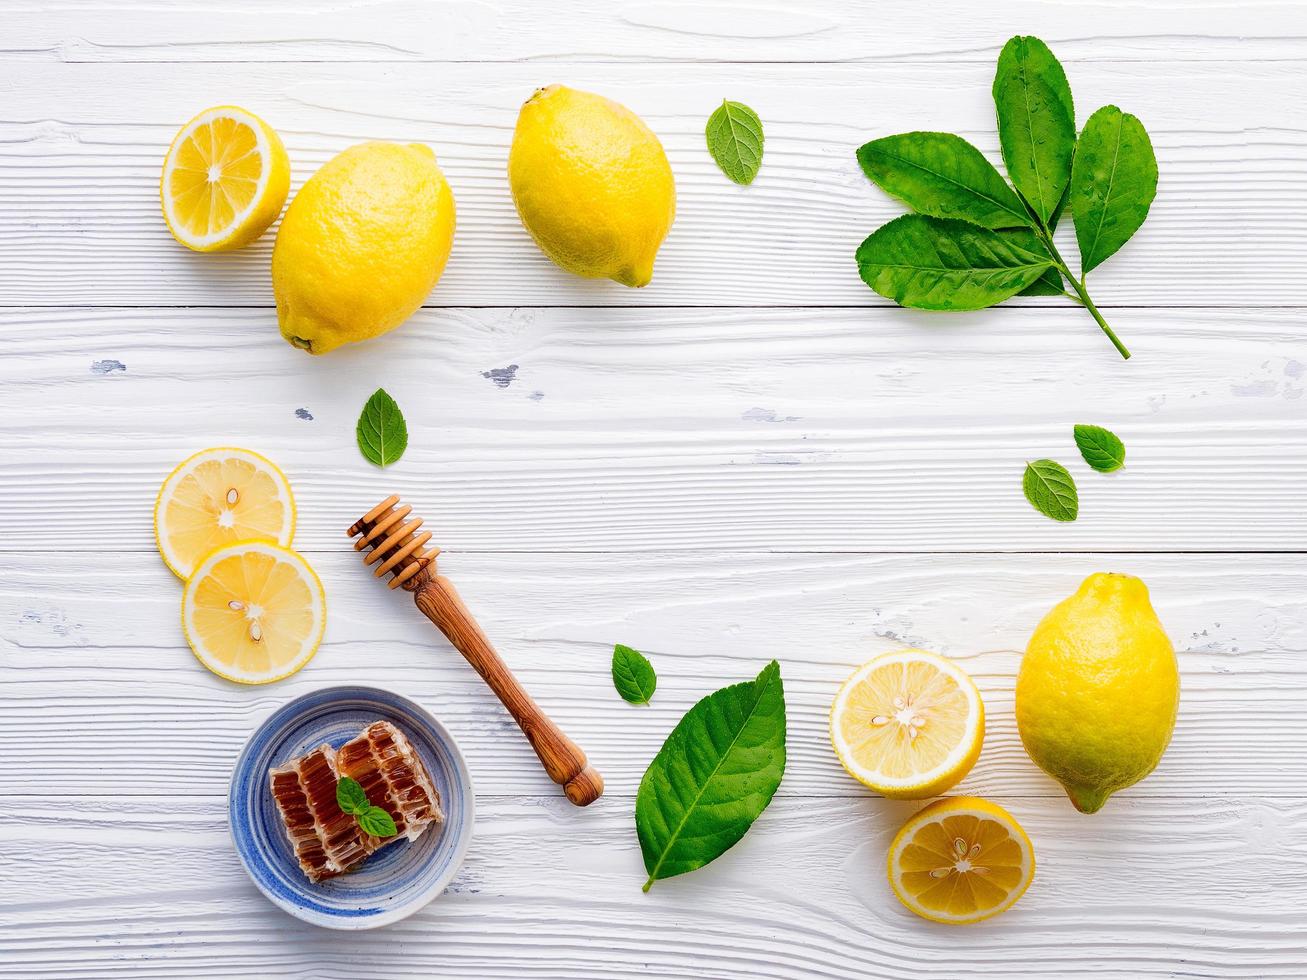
(656, 430)
(510, 30)
(81, 147)
(1147, 888)
(109, 668)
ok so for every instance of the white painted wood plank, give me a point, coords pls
(81, 147)
(774, 30)
(98, 674)
(1146, 888)
(594, 430)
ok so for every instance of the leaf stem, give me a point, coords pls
(1081, 294)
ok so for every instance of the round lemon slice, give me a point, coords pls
(908, 724)
(218, 497)
(224, 180)
(254, 612)
(961, 860)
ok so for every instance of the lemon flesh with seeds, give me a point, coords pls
(592, 184)
(254, 612)
(225, 178)
(362, 245)
(909, 724)
(960, 860)
(1098, 690)
(218, 497)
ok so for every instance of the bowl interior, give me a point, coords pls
(397, 880)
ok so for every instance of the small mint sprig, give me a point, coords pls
(633, 675)
(372, 819)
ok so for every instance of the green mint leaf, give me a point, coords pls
(1050, 490)
(350, 796)
(1100, 447)
(1036, 122)
(377, 822)
(715, 774)
(946, 264)
(633, 675)
(382, 432)
(945, 176)
(734, 134)
(1113, 183)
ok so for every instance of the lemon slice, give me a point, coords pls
(961, 860)
(908, 724)
(224, 180)
(218, 497)
(254, 612)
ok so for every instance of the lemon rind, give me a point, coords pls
(320, 600)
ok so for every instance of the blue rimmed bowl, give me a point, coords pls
(397, 880)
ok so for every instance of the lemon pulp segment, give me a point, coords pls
(253, 612)
(909, 724)
(961, 860)
(218, 497)
(224, 180)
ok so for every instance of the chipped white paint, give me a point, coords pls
(816, 477)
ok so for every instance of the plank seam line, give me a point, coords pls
(628, 61)
(1233, 797)
(1161, 552)
(1043, 307)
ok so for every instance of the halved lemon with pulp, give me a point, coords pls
(908, 724)
(218, 497)
(961, 860)
(224, 180)
(254, 612)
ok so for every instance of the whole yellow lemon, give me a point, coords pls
(592, 184)
(1098, 690)
(361, 246)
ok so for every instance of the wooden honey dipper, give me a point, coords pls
(402, 551)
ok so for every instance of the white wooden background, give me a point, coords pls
(754, 457)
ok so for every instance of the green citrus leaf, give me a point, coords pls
(945, 264)
(633, 675)
(1113, 183)
(734, 134)
(717, 771)
(377, 822)
(350, 796)
(1036, 122)
(945, 176)
(1050, 490)
(382, 432)
(1048, 284)
(1100, 447)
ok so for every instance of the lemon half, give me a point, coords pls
(224, 180)
(218, 497)
(254, 612)
(908, 724)
(961, 860)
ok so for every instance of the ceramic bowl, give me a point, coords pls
(389, 885)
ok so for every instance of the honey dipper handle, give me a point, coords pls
(561, 757)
